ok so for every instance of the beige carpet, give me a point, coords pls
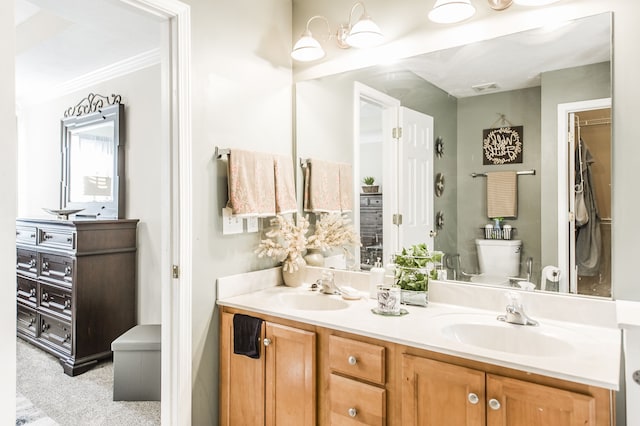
(86, 399)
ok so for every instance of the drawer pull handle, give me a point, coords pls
(32, 263)
(67, 270)
(47, 236)
(473, 398)
(31, 321)
(45, 296)
(352, 412)
(45, 266)
(44, 327)
(352, 360)
(67, 337)
(494, 404)
(32, 292)
(69, 239)
(266, 342)
(67, 304)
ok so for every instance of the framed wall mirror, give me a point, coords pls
(92, 140)
(525, 78)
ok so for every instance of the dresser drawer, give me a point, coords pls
(56, 239)
(55, 268)
(27, 320)
(56, 333)
(357, 359)
(55, 300)
(356, 403)
(26, 234)
(26, 291)
(27, 262)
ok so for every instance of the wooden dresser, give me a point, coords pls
(76, 286)
(370, 229)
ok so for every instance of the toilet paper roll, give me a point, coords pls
(551, 273)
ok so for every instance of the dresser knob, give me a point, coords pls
(67, 270)
(32, 292)
(45, 266)
(47, 236)
(67, 304)
(494, 404)
(32, 263)
(473, 398)
(44, 327)
(45, 296)
(352, 360)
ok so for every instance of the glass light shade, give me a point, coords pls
(451, 11)
(534, 2)
(364, 33)
(307, 49)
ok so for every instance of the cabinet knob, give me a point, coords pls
(494, 404)
(266, 342)
(473, 398)
(352, 360)
(352, 412)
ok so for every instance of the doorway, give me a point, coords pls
(584, 232)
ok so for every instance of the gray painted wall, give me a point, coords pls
(521, 107)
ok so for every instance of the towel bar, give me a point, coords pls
(523, 172)
(219, 152)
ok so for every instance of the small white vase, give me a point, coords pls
(295, 278)
(314, 257)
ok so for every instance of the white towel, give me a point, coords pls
(251, 183)
(502, 194)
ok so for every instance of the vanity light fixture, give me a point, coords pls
(362, 34)
(451, 11)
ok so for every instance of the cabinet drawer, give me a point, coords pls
(356, 403)
(27, 320)
(55, 300)
(58, 269)
(26, 234)
(357, 359)
(56, 239)
(27, 262)
(56, 332)
(27, 291)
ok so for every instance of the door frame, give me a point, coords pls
(389, 200)
(176, 144)
(565, 216)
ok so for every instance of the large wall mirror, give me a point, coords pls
(93, 162)
(553, 82)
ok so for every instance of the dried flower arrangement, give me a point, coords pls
(333, 230)
(286, 243)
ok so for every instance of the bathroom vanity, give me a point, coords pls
(325, 360)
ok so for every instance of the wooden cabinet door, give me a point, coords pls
(436, 393)
(290, 390)
(241, 381)
(515, 402)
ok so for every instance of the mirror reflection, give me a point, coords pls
(544, 81)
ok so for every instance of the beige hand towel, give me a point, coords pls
(502, 194)
(251, 183)
(346, 187)
(322, 186)
(284, 186)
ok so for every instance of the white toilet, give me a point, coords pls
(498, 260)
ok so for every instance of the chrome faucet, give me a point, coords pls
(515, 312)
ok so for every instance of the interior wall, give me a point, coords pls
(242, 98)
(482, 112)
(8, 213)
(563, 87)
(40, 159)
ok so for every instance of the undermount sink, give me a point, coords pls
(312, 302)
(485, 331)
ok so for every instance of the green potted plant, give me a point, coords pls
(369, 186)
(414, 266)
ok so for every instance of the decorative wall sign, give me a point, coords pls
(502, 145)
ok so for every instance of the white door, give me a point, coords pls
(415, 178)
(571, 200)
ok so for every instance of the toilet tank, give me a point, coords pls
(499, 257)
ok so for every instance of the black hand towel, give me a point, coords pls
(246, 335)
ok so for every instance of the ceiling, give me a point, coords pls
(58, 41)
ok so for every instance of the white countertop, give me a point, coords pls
(594, 358)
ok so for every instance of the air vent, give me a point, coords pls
(485, 87)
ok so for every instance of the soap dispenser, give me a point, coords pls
(376, 278)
